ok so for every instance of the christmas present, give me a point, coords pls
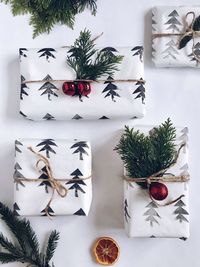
(55, 86)
(156, 205)
(176, 39)
(52, 177)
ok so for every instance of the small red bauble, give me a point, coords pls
(158, 191)
(84, 88)
(69, 88)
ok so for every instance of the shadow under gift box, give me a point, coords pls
(43, 75)
(144, 218)
(69, 161)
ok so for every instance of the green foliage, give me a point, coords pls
(144, 155)
(26, 249)
(46, 13)
(82, 62)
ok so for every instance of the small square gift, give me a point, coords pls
(52, 177)
(176, 36)
(156, 202)
(82, 82)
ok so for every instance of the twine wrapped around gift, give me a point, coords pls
(159, 177)
(54, 182)
(188, 34)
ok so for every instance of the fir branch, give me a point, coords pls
(145, 155)
(46, 13)
(80, 59)
(27, 248)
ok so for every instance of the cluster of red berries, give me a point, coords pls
(79, 88)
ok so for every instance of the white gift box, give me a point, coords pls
(43, 99)
(68, 160)
(145, 218)
(172, 20)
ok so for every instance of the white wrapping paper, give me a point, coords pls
(124, 100)
(68, 160)
(165, 52)
(143, 218)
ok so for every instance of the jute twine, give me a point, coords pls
(54, 182)
(188, 31)
(158, 177)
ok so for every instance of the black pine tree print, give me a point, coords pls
(173, 23)
(48, 117)
(180, 212)
(49, 211)
(48, 88)
(140, 90)
(16, 209)
(138, 51)
(196, 52)
(47, 53)
(109, 49)
(76, 185)
(17, 174)
(110, 89)
(46, 183)
(47, 145)
(24, 87)
(77, 117)
(80, 212)
(171, 50)
(80, 148)
(153, 22)
(151, 213)
(22, 52)
(126, 213)
(17, 144)
(104, 118)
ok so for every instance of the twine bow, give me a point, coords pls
(159, 177)
(191, 31)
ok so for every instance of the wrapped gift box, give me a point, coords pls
(44, 70)
(69, 160)
(144, 218)
(172, 20)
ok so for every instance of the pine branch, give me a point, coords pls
(80, 60)
(46, 13)
(51, 247)
(145, 155)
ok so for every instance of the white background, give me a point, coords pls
(170, 93)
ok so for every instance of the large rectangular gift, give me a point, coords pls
(52, 177)
(145, 216)
(176, 39)
(44, 71)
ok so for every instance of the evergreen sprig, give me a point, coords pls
(88, 62)
(46, 13)
(144, 155)
(26, 249)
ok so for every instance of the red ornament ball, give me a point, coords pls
(84, 88)
(158, 191)
(69, 88)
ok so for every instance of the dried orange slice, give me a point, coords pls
(106, 251)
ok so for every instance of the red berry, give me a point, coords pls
(69, 88)
(158, 191)
(84, 88)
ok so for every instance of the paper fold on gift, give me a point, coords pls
(172, 20)
(45, 100)
(68, 160)
(144, 218)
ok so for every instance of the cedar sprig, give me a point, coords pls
(144, 155)
(46, 13)
(26, 249)
(90, 63)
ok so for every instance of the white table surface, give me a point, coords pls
(171, 93)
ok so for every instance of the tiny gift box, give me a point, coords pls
(52, 177)
(44, 71)
(175, 36)
(146, 217)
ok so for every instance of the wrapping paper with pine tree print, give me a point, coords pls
(143, 218)
(45, 100)
(68, 159)
(165, 52)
